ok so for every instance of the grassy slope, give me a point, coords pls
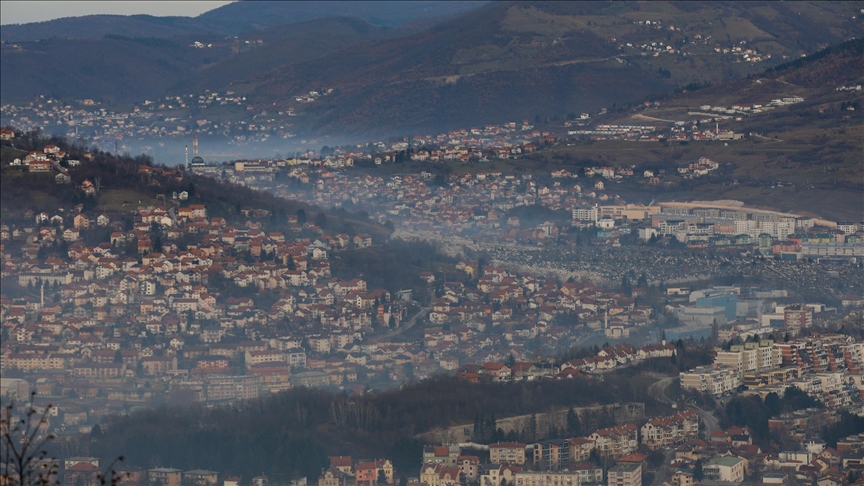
(125, 69)
(283, 45)
(125, 200)
(8, 154)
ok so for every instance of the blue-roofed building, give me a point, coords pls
(726, 300)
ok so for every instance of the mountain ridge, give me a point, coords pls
(508, 45)
(233, 19)
(496, 63)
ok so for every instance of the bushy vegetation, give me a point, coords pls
(849, 424)
(753, 412)
(395, 266)
(19, 190)
(294, 431)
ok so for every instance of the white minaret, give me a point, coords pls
(42, 295)
(187, 156)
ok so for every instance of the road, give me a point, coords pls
(657, 390)
(390, 335)
(709, 421)
(663, 471)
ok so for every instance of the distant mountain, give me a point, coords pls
(111, 69)
(96, 26)
(123, 69)
(381, 13)
(282, 45)
(497, 62)
(234, 18)
(511, 60)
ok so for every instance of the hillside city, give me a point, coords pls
(123, 310)
(437, 243)
(155, 121)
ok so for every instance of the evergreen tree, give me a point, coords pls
(478, 427)
(382, 478)
(594, 457)
(626, 287)
(490, 426)
(574, 428)
(321, 220)
(698, 473)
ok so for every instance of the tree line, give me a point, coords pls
(293, 432)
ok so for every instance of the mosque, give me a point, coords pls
(197, 162)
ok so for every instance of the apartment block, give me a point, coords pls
(750, 358)
(507, 453)
(672, 430)
(727, 469)
(625, 474)
(797, 317)
(526, 478)
(616, 441)
(715, 379)
(549, 454)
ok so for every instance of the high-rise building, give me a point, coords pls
(750, 358)
(797, 317)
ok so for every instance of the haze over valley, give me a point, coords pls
(433, 243)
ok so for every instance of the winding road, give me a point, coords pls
(709, 422)
(401, 329)
(657, 390)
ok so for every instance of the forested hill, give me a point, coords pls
(293, 432)
(127, 178)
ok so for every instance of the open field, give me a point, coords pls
(8, 154)
(124, 200)
(833, 204)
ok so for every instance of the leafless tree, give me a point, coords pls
(23, 449)
(22, 452)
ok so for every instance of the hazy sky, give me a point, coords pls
(21, 12)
